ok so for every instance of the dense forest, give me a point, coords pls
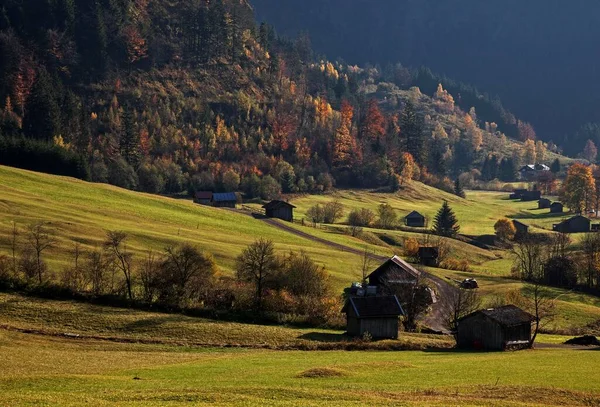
(539, 56)
(172, 96)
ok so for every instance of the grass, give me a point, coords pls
(44, 371)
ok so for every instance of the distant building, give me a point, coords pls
(376, 315)
(528, 196)
(530, 172)
(521, 228)
(225, 200)
(415, 220)
(203, 197)
(517, 193)
(576, 224)
(495, 329)
(544, 203)
(556, 207)
(280, 210)
(394, 271)
(428, 256)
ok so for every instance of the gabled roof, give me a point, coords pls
(365, 307)
(508, 315)
(528, 167)
(567, 221)
(225, 197)
(517, 223)
(277, 204)
(204, 195)
(542, 167)
(400, 263)
(556, 203)
(544, 200)
(414, 214)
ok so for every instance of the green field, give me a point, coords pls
(75, 354)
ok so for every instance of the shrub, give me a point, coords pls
(454, 264)
(332, 211)
(411, 248)
(361, 217)
(505, 229)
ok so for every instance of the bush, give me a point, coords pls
(332, 211)
(411, 248)
(361, 217)
(454, 264)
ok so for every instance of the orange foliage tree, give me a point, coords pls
(579, 189)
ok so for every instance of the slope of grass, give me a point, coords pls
(59, 372)
(82, 212)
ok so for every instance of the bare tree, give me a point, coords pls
(257, 264)
(461, 302)
(116, 246)
(559, 243)
(14, 242)
(530, 256)
(150, 277)
(538, 301)
(73, 276)
(438, 242)
(366, 263)
(95, 269)
(39, 240)
(414, 297)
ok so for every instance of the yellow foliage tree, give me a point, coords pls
(579, 189)
(407, 167)
(505, 229)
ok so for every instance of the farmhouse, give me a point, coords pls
(522, 229)
(415, 220)
(225, 200)
(375, 315)
(531, 171)
(556, 207)
(394, 271)
(494, 328)
(544, 203)
(576, 224)
(203, 197)
(528, 196)
(517, 193)
(280, 210)
(428, 256)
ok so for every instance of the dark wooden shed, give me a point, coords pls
(203, 197)
(517, 193)
(557, 207)
(280, 210)
(495, 329)
(544, 203)
(428, 256)
(576, 224)
(528, 196)
(376, 315)
(394, 271)
(415, 220)
(521, 228)
(225, 200)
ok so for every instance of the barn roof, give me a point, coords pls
(400, 263)
(204, 195)
(544, 200)
(225, 197)
(568, 221)
(521, 224)
(414, 214)
(556, 204)
(277, 204)
(384, 306)
(508, 315)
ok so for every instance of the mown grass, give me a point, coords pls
(45, 371)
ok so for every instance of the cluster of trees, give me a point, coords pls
(179, 277)
(164, 99)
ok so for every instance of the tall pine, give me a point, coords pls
(445, 223)
(411, 132)
(42, 114)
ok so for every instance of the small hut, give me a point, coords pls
(521, 228)
(375, 315)
(280, 210)
(495, 329)
(576, 224)
(517, 193)
(428, 256)
(556, 207)
(225, 200)
(415, 220)
(529, 196)
(544, 203)
(203, 197)
(394, 271)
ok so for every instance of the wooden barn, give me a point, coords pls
(521, 228)
(394, 271)
(557, 207)
(517, 193)
(225, 200)
(576, 224)
(495, 329)
(203, 197)
(375, 315)
(544, 203)
(529, 196)
(415, 220)
(280, 210)
(428, 256)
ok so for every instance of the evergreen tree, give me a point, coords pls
(458, 189)
(287, 181)
(130, 139)
(411, 131)
(42, 115)
(555, 167)
(508, 169)
(445, 223)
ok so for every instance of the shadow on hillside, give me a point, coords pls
(536, 216)
(149, 323)
(324, 337)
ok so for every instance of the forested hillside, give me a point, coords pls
(171, 96)
(539, 56)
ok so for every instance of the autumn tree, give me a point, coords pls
(373, 124)
(505, 229)
(590, 152)
(579, 188)
(344, 147)
(526, 131)
(387, 216)
(333, 211)
(407, 167)
(529, 148)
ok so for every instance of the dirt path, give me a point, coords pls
(434, 320)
